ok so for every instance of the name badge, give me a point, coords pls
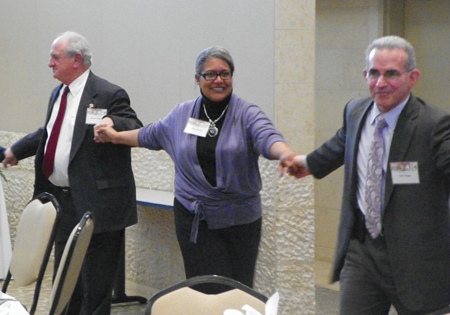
(405, 172)
(197, 127)
(95, 115)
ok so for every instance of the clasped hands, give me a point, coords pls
(294, 165)
(104, 131)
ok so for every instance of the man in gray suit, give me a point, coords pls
(86, 176)
(403, 259)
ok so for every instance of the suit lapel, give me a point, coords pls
(52, 102)
(401, 141)
(358, 118)
(80, 128)
(53, 99)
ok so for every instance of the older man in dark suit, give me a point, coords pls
(394, 237)
(82, 174)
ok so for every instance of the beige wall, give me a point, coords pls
(428, 29)
(148, 47)
(343, 30)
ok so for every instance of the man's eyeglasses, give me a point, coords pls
(211, 76)
(392, 75)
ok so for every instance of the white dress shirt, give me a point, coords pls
(60, 176)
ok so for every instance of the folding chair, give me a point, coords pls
(71, 263)
(180, 299)
(33, 244)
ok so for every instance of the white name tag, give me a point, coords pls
(405, 172)
(197, 127)
(95, 115)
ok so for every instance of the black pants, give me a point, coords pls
(93, 291)
(229, 252)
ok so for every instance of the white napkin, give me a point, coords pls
(272, 304)
(11, 306)
(271, 308)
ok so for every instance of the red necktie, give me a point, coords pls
(49, 158)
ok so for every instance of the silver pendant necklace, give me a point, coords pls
(213, 130)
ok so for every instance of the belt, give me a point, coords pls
(359, 229)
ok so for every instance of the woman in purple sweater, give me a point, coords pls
(214, 141)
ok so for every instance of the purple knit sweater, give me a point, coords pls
(246, 134)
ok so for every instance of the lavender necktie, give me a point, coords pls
(374, 179)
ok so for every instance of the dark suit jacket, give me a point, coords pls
(416, 216)
(100, 175)
(2, 153)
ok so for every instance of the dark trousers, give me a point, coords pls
(366, 283)
(229, 252)
(93, 291)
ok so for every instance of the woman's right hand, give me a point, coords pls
(104, 133)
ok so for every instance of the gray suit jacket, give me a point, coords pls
(100, 175)
(416, 216)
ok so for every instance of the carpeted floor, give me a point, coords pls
(25, 295)
(327, 300)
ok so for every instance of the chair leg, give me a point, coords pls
(6, 282)
(119, 295)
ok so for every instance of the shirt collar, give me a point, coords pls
(391, 116)
(77, 85)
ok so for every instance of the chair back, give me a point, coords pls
(180, 299)
(33, 244)
(444, 311)
(34, 236)
(71, 263)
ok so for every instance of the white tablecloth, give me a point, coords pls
(5, 237)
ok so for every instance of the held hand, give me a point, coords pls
(106, 122)
(298, 168)
(10, 159)
(103, 133)
(286, 161)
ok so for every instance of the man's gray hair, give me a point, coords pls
(76, 44)
(394, 42)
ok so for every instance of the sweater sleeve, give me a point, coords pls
(261, 131)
